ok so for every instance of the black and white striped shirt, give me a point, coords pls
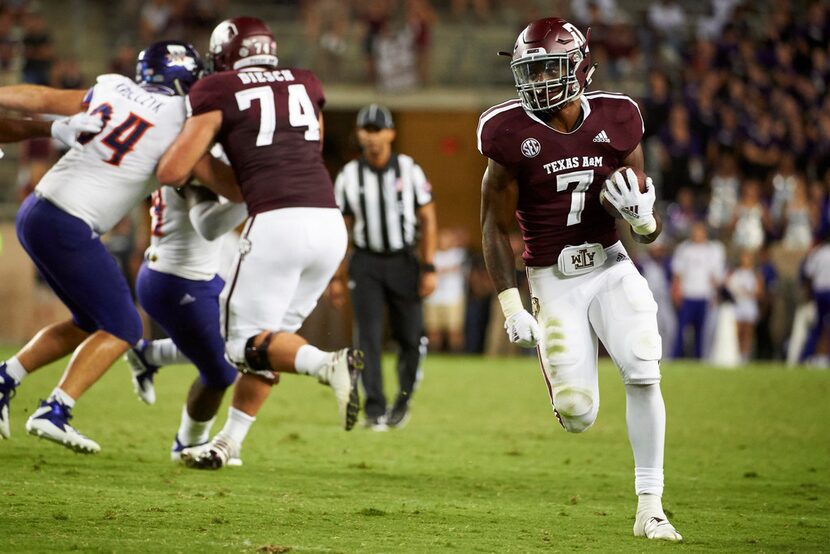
(383, 202)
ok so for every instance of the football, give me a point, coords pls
(641, 179)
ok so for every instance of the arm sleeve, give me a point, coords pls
(340, 193)
(213, 219)
(315, 90)
(631, 121)
(204, 97)
(421, 186)
(487, 139)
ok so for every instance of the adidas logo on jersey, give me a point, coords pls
(602, 137)
(186, 299)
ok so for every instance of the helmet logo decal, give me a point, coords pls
(579, 38)
(177, 55)
(223, 33)
(531, 148)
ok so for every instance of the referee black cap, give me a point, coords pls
(375, 115)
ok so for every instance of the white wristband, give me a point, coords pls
(646, 228)
(511, 302)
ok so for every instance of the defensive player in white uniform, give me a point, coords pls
(179, 288)
(79, 199)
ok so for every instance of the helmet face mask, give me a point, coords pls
(170, 65)
(551, 64)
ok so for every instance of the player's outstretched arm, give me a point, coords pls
(41, 99)
(196, 138)
(13, 130)
(65, 129)
(499, 192)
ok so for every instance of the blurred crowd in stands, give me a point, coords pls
(737, 116)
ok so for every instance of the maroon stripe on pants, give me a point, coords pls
(235, 279)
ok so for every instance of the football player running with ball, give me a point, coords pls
(269, 123)
(550, 153)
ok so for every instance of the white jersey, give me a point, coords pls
(701, 268)
(817, 268)
(103, 182)
(176, 246)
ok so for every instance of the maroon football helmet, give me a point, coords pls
(241, 42)
(551, 64)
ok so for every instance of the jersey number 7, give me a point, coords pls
(300, 111)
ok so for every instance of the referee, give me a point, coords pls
(387, 202)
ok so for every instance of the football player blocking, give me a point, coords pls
(269, 123)
(549, 154)
(87, 192)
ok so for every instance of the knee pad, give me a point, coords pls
(256, 359)
(575, 408)
(257, 356)
(642, 346)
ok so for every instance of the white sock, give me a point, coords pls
(16, 370)
(648, 481)
(238, 424)
(310, 360)
(192, 431)
(645, 418)
(651, 504)
(62, 397)
(163, 352)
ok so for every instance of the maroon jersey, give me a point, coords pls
(560, 174)
(270, 133)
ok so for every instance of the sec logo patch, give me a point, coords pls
(531, 148)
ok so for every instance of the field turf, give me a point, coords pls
(482, 467)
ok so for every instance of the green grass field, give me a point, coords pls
(482, 467)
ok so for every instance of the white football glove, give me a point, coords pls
(623, 192)
(66, 129)
(523, 329)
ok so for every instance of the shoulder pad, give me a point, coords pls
(111, 78)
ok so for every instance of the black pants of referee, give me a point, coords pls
(379, 282)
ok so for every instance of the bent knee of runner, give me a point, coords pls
(575, 407)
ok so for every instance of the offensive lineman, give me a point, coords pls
(549, 152)
(269, 123)
(78, 200)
